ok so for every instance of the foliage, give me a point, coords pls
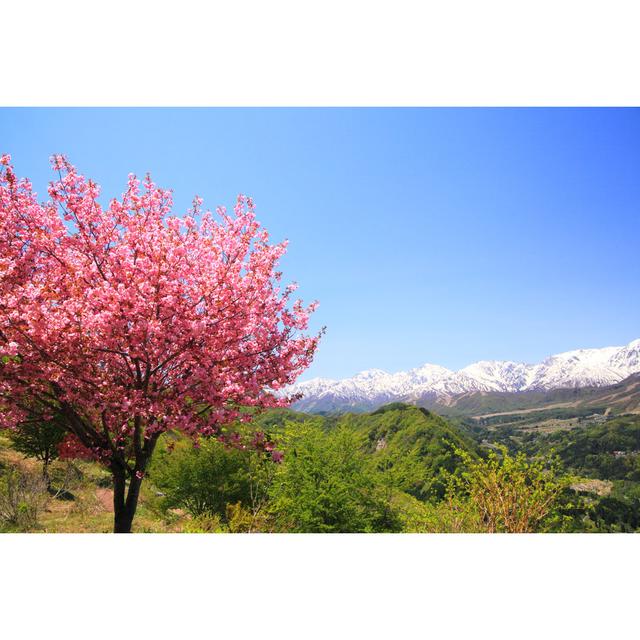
(206, 523)
(511, 494)
(620, 510)
(335, 477)
(127, 322)
(610, 450)
(39, 438)
(500, 494)
(201, 479)
(214, 481)
(327, 484)
(413, 448)
(242, 519)
(22, 497)
(453, 514)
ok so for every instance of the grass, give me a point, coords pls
(89, 507)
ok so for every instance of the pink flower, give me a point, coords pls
(138, 321)
(11, 349)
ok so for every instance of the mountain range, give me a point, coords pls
(432, 383)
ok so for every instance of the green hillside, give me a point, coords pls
(609, 451)
(412, 446)
(400, 468)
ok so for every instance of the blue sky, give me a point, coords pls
(428, 235)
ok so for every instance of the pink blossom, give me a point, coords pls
(137, 322)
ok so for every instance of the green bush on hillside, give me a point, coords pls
(23, 495)
(327, 484)
(201, 480)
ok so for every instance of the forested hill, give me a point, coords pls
(399, 468)
(412, 445)
(393, 426)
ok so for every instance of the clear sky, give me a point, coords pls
(428, 235)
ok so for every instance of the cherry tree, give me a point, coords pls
(126, 321)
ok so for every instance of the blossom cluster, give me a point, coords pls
(127, 317)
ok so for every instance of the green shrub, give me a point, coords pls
(205, 524)
(511, 493)
(328, 484)
(23, 495)
(203, 480)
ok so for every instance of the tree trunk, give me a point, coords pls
(124, 502)
(45, 473)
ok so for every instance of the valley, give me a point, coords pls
(400, 468)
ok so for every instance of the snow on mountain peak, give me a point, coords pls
(373, 387)
(371, 374)
(430, 371)
(496, 375)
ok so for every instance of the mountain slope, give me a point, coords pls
(434, 385)
(623, 397)
(411, 446)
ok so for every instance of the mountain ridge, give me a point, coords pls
(430, 383)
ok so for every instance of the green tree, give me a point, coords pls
(203, 480)
(327, 484)
(39, 438)
(510, 493)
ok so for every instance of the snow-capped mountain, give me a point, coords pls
(372, 388)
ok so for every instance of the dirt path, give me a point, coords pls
(105, 497)
(558, 405)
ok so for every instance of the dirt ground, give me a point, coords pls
(105, 497)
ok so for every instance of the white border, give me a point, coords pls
(335, 52)
(330, 53)
(319, 586)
